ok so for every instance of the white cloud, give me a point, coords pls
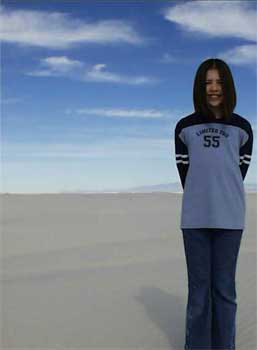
(58, 30)
(168, 58)
(61, 63)
(220, 19)
(245, 54)
(11, 100)
(216, 18)
(117, 147)
(123, 112)
(98, 73)
(57, 66)
(63, 66)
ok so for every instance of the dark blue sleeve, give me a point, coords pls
(182, 157)
(246, 151)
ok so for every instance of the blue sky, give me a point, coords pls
(92, 90)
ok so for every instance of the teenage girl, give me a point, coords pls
(213, 151)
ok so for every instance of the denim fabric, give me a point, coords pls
(211, 259)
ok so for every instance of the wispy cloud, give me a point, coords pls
(241, 54)
(215, 18)
(98, 73)
(112, 148)
(62, 63)
(220, 19)
(58, 30)
(65, 67)
(123, 112)
(11, 100)
(168, 58)
(56, 66)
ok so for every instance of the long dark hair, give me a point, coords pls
(228, 87)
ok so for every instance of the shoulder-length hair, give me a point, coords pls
(228, 89)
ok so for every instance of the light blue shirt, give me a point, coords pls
(212, 158)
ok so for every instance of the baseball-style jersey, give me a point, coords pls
(212, 157)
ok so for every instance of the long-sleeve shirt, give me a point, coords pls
(212, 157)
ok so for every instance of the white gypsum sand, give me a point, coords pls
(105, 271)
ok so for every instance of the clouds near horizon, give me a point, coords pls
(98, 88)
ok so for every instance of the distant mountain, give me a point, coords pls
(176, 187)
(173, 187)
(170, 187)
(250, 187)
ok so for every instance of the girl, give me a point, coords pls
(213, 151)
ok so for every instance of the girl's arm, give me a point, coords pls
(246, 150)
(182, 156)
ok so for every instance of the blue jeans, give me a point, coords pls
(211, 258)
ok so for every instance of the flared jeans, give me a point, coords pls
(211, 259)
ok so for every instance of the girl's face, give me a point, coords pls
(213, 85)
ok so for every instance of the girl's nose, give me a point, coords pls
(215, 87)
